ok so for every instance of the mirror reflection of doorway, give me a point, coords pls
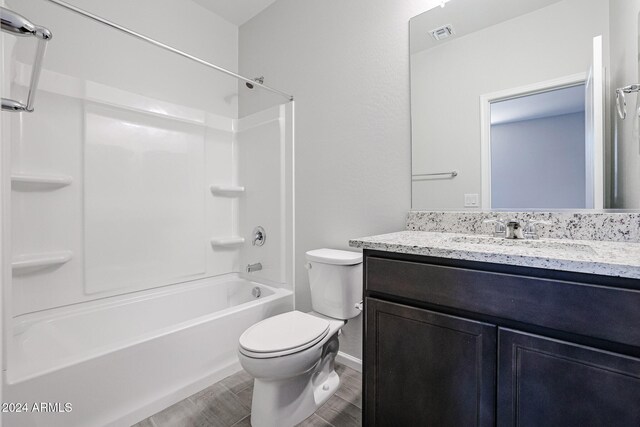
(538, 151)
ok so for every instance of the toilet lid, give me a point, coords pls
(334, 256)
(287, 331)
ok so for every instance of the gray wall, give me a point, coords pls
(539, 163)
(624, 65)
(347, 63)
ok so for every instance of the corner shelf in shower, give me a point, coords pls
(227, 241)
(21, 181)
(227, 190)
(42, 260)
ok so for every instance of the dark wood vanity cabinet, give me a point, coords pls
(426, 366)
(547, 382)
(457, 343)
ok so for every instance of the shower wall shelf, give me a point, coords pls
(22, 262)
(20, 180)
(227, 190)
(227, 241)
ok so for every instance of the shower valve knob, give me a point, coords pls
(259, 236)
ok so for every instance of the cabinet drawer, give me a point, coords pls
(603, 312)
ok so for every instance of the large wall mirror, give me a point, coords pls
(513, 105)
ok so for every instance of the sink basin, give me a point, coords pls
(542, 244)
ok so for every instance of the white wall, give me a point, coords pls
(446, 132)
(624, 63)
(347, 64)
(539, 163)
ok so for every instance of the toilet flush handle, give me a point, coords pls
(359, 306)
(307, 266)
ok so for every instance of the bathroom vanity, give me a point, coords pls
(464, 330)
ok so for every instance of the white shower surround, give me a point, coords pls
(144, 348)
(147, 361)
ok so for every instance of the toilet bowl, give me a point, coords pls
(291, 382)
(291, 356)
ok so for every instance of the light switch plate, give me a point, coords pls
(471, 200)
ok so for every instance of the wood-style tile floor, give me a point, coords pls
(228, 404)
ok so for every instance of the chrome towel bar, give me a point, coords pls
(18, 25)
(622, 106)
(451, 174)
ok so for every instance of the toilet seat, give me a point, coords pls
(283, 334)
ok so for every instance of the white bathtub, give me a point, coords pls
(121, 359)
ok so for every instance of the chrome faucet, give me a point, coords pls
(510, 229)
(254, 267)
(513, 229)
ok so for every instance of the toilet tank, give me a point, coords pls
(335, 278)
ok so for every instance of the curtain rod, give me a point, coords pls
(165, 46)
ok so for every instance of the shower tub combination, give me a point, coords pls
(134, 180)
(121, 359)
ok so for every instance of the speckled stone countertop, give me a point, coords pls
(608, 258)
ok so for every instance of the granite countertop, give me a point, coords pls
(621, 259)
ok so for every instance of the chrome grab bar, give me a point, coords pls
(18, 25)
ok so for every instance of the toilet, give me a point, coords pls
(291, 355)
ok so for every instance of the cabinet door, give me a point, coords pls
(427, 369)
(545, 382)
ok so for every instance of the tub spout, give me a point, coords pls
(254, 267)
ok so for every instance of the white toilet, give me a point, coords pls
(291, 355)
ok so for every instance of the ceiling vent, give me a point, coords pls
(443, 32)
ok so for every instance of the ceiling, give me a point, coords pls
(235, 11)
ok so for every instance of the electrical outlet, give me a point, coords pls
(471, 200)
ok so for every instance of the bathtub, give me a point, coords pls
(119, 360)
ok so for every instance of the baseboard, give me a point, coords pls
(350, 361)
